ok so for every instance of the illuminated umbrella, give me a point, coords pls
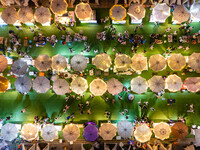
(98, 87)
(23, 84)
(161, 12)
(43, 63)
(9, 132)
(25, 14)
(142, 133)
(117, 12)
(4, 83)
(83, 11)
(71, 132)
(90, 132)
(194, 61)
(107, 131)
(3, 63)
(41, 84)
(49, 132)
(162, 131)
(139, 62)
(59, 62)
(181, 14)
(157, 62)
(78, 62)
(173, 83)
(176, 62)
(29, 132)
(42, 15)
(114, 86)
(102, 61)
(192, 84)
(122, 62)
(59, 6)
(61, 87)
(125, 129)
(139, 85)
(156, 84)
(9, 15)
(179, 130)
(137, 11)
(195, 10)
(79, 85)
(19, 67)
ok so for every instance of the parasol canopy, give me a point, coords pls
(83, 11)
(139, 85)
(98, 87)
(142, 133)
(58, 6)
(9, 132)
(125, 129)
(29, 132)
(173, 83)
(192, 84)
(195, 10)
(78, 62)
(19, 67)
(102, 61)
(136, 11)
(23, 84)
(176, 62)
(157, 62)
(90, 132)
(117, 12)
(194, 61)
(43, 63)
(79, 85)
(179, 130)
(61, 87)
(49, 132)
(71, 132)
(4, 83)
(156, 84)
(25, 14)
(123, 62)
(139, 62)
(114, 86)
(41, 84)
(107, 131)
(3, 63)
(42, 15)
(181, 14)
(162, 130)
(9, 15)
(59, 62)
(161, 12)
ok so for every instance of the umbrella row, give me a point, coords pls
(107, 131)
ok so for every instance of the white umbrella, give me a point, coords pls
(157, 62)
(107, 131)
(114, 86)
(195, 10)
(59, 6)
(123, 62)
(29, 132)
(181, 14)
(3, 63)
(49, 132)
(125, 129)
(9, 132)
(102, 61)
(59, 62)
(98, 87)
(161, 12)
(78, 62)
(9, 15)
(25, 14)
(71, 132)
(156, 84)
(117, 13)
(192, 84)
(23, 84)
(43, 63)
(176, 62)
(194, 61)
(142, 133)
(61, 87)
(137, 11)
(42, 15)
(41, 84)
(83, 11)
(162, 130)
(173, 83)
(139, 62)
(139, 85)
(19, 67)
(79, 85)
